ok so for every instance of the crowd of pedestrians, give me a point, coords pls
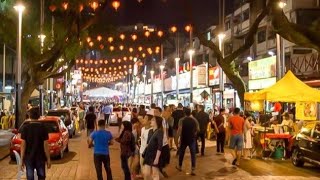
(146, 140)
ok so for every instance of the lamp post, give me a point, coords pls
(191, 52)
(221, 37)
(4, 68)
(129, 92)
(151, 73)
(41, 37)
(280, 51)
(144, 87)
(177, 77)
(162, 84)
(19, 8)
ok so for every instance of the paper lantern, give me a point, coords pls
(116, 5)
(147, 33)
(160, 33)
(52, 8)
(173, 29)
(99, 38)
(110, 39)
(122, 36)
(134, 37)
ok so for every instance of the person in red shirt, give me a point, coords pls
(236, 124)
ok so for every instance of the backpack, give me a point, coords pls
(133, 143)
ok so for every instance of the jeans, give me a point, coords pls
(201, 135)
(220, 142)
(39, 166)
(192, 148)
(106, 118)
(125, 167)
(98, 160)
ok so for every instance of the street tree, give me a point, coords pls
(305, 36)
(65, 23)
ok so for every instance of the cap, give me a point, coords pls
(151, 112)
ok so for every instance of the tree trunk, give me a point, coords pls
(233, 74)
(27, 90)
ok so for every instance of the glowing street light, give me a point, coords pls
(19, 8)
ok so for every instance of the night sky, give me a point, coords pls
(165, 13)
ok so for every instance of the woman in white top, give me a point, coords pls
(247, 137)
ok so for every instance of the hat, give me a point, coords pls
(151, 112)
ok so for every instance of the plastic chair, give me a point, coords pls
(21, 172)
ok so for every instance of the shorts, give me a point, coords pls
(236, 141)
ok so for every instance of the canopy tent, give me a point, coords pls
(102, 92)
(288, 89)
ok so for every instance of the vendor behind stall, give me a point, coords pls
(287, 123)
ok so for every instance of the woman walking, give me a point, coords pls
(247, 137)
(153, 150)
(125, 139)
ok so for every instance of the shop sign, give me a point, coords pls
(261, 83)
(306, 110)
(263, 68)
(184, 80)
(202, 75)
(214, 76)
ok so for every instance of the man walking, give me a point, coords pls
(34, 147)
(101, 139)
(236, 124)
(107, 110)
(203, 120)
(91, 121)
(177, 115)
(187, 131)
(221, 134)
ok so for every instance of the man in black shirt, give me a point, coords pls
(203, 119)
(91, 121)
(177, 115)
(187, 131)
(34, 147)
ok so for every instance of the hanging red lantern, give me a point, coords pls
(116, 4)
(65, 5)
(52, 8)
(94, 5)
(101, 46)
(80, 7)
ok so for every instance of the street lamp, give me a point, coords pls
(151, 73)
(191, 52)
(280, 51)
(19, 8)
(221, 37)
(162, 83)
(129, 91)
(144, 87)
(177, 77)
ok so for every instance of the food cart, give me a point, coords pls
(290, 90)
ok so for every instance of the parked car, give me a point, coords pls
(116, 113)
(306, 146)
(58, 136)
(126, 114)
(5, 140)
(67, 118)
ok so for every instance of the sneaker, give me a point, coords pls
(164, 174)
(234, 161)
(179, 168)
(193, 172)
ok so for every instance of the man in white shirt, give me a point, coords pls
(144, 135)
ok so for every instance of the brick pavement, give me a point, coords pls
(78, 165)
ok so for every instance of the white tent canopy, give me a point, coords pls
(102, 92)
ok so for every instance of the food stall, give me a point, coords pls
(291, 90)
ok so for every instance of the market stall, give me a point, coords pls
(290, 90)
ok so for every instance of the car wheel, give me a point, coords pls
(296, 158)
(12, 157)
(67, 148)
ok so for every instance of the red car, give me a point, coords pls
(58, 137)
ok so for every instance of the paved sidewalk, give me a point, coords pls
(78, 165)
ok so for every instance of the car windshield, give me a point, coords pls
(116, 109)
(51, 126)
